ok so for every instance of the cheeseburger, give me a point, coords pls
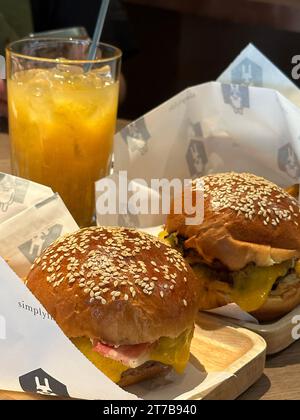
(246, 249)
(125, 299)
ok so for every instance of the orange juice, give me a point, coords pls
(62, 123)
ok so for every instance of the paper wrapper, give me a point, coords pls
(31, 218)
(26, 235)
(18, 194)
(252, 68)
(235, 124)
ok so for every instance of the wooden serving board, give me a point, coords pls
(278, 335)
(217, 346)
(220, 346)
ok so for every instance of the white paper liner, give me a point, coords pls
(26, 235)
(18, 194)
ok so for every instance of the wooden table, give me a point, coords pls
(281, 379)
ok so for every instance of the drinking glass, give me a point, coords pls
(62, 116)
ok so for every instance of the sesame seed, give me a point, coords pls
(119, 260)
(250, 197)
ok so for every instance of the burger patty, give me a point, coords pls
(148, 370)
(249, 287)
(284, 284)
(219, 270)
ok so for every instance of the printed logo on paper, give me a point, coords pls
(136, 135)
(40, 382)
(196, 156)
(237, 96)
(12, 190)
(33, 248)
(2, 67)
(194, 129)
(247, 73)
(288, 161)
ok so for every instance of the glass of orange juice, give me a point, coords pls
(62, 116)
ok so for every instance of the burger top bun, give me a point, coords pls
(117, 285)
(246, 219)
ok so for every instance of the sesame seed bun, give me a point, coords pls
(116, 285)
(247, 219)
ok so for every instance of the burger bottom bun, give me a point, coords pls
(278, 305)
(146, 371)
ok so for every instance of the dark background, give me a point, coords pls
(173, 44)
(185, 42)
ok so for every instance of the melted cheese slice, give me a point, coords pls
(173, 352)
(111, 368)
(253, 284)
(250, 289)
(168, 238)
(297, 268)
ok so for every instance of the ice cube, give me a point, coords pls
(102, 76)
(68, 68)
(38, 81)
